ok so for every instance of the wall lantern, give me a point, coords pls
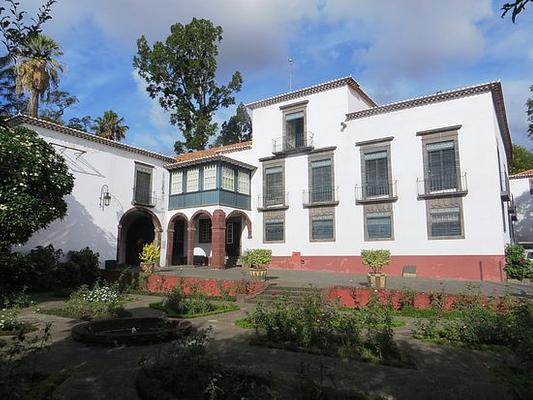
(105, 197)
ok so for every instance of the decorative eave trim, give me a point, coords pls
(494, 87)
(523, 174)
(208, 159)
(26, 119)
(374, 141)
(439, 130)
(321, 87)
(294, 105)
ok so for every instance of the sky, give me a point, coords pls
(395, 49)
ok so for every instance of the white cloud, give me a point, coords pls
(516, 93)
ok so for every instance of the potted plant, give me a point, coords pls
(149, 257)
(375, 260)
(257, 260)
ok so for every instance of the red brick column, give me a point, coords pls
(170, 246)
(191, 235)
(218, 236)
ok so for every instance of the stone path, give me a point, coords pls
(103, 373)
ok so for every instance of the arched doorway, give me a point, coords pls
(236, 222)
(177, 240)
(199, 238)
(137, 227)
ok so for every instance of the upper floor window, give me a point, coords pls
(243, 182)
(273, 186)
(228, 178)
(294, 129)
(441, 166)
(321, 180)
(210, 177)
(176, 182)
(376, 175)
(192, 180)
(143, 184)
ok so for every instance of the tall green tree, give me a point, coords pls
(83, 123)
(529, 105)
(34, 179)
(57, 102)
(237, 129)
(10, 102)
(38, 71)
(522, 159)
(180, 73)
(110, 126)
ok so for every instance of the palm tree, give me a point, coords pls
(110, 126)
(38, 71)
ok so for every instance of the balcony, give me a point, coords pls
(376, 193)
(442, 186)
(273, 202)
(143, 197)
(314, 198)
(293, 144)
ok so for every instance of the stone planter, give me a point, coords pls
(148, 267)
(258, 274)
(378, 281)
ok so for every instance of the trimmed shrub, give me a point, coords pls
(517, 266)
(375, 259)
(256, 257)
(44, 262)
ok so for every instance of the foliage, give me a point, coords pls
(522, 158)
(8, 319)
(15, 273)
(517, 266)
(375, 259)
(517, 6)
(38, 70)
(83, 124)
(33, 182)
(150, 253)
(44, 262)
(58, 101)
(110, 126)
(237, 129)
(256, 258)
(529, 105)
(181, 72)
(11, 103)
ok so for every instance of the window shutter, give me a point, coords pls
(321, 181)
(210, 177)
(176, 182)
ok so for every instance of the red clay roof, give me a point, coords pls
(523, 174)
(230, 148)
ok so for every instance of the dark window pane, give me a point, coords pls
(442, 173)
(379, 227)
(142, 187)
(204, 226)
(322, 228)
(274, 186)
(294, 129)
(445, 222)
(377, 174)
(274, 231)
(321, 181)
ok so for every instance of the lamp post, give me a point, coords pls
(105, 197)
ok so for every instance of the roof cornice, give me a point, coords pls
(494, 87)
(26, 119)
(208, 159)
(321, 87)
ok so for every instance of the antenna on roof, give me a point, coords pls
(290, 74)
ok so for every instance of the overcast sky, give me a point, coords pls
(396, 49)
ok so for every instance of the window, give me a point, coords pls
(244, 182)
(143, 184)
(321, 185)
(378, 226)
(210, 177)
(322, 227)
(445, 222)
(376, 178)
(273, 186)
(294, 130)
(204, 231)
(229, 233)
(228, 178)
(192, 180)
(441, 166)
(274, 226)
(176, 182)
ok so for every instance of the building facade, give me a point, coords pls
(522, 207)
(329, 173)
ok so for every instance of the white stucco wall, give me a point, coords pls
(523, 227)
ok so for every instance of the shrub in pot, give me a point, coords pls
(375, 260)
(149, 257)
(257, 260)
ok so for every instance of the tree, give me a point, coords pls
(110, 126)
(529, 105)
(516, 7)
(10, 102)
(33, 182)
(522, 160)
(83, 124)
(237, 129)
(180, 73)
(59, 101)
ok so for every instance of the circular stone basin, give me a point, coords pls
(130, 331)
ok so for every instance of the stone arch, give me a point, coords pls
(245, 218)
(171, 235)
(133, 217)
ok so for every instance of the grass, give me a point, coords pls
(244, 323)
(36, 385)
(219, 309)
(411, 312)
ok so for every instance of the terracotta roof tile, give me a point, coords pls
(523, 174)
(199, 154)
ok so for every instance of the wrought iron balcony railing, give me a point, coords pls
(292, 143)
(442, 185)
(318, 197)
(376, 192)
(143, 197)
(273, 201)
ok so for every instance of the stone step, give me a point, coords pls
(292, 293)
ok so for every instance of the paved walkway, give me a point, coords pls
(322, 279)
(98, 373)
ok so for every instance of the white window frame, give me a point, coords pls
(243, 182)
(210, 177)
(228, 178)
(176, 182)
(193, 180)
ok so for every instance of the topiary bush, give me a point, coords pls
(517, 266)
(258, 258)
(375, 259)
(87, 261)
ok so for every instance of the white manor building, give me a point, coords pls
(329, 173)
